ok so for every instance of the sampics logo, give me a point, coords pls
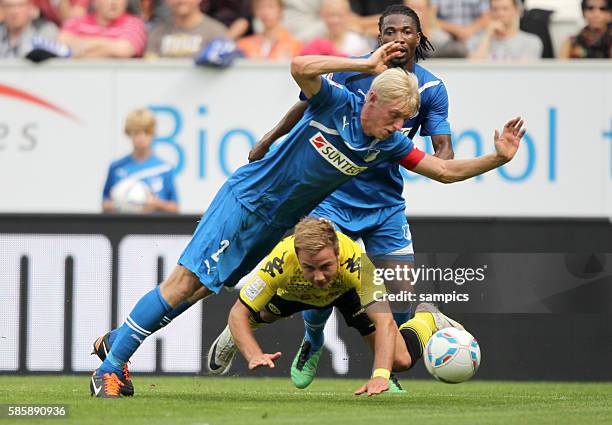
(334, 156)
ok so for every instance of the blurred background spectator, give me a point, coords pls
(445, 46)
(236, 15)
(364, 18)
(186, 34)
(502, 39)
(302, 18)
(140, 181)
(371, 7)
(594, 41)
(58, 11)
(462, 18)
(19, 28)
(108, 32)
(274, 42)
(338, 40)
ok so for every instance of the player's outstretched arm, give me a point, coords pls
(307, 70)
(450, 171)
(384, 348)
(245, 340)
(283, 127)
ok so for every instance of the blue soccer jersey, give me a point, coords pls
(324, 150)
(156, 173)
(382, 186)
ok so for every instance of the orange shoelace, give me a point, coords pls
(113, 384)
(126, 373)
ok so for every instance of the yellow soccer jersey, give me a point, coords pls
(282, 275)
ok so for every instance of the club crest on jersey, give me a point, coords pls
(336, 158)
(371, 156)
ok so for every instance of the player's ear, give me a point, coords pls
(372, 96)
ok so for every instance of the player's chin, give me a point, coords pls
(383, 134)
(399, 62)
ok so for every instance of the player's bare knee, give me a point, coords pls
(200, 293)
(402, 363)
(180, 286)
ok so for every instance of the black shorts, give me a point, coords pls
(348, 303)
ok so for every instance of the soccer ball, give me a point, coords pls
(130, 195)
(452, 355)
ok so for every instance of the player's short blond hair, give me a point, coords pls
(396, 84)
(140, 120)
(313, 234)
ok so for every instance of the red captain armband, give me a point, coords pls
(412, 159)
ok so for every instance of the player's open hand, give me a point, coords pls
(374, 386)
(264, 360)
(384, 54)
(507, 143)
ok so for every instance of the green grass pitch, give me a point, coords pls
(234, 401)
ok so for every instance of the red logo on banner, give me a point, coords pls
(30, 98)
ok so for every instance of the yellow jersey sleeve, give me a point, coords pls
(274, 272)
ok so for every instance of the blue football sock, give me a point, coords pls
(401, 317)
(143, 320)
(314, 323)
(176, 311)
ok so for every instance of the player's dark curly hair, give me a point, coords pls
(584, 4)
(400, 9)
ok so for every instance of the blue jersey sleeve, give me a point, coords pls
(330, 95)
(338, 77)
(401, 147)
(110, 182)
(436, 120)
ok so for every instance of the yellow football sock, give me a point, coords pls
(428, 319)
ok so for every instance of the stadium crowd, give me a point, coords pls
(282, 29)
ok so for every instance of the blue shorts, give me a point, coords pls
(384, 231)
(229, 241)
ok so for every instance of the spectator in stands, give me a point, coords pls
(462, 18)
(18, 29)
(445, 46)
(187, 34)
(236, 15)
(339, 41)
(141, 166)
(108, 32)
(502, 40)
(371, 7)
(274, 42)
(302, 19)
(594, 41)
(150, 11)
(58, 11)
